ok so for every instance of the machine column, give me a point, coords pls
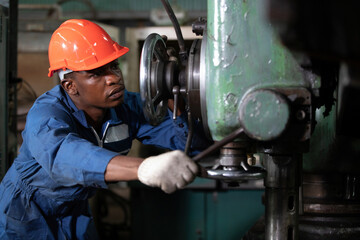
(282, 183)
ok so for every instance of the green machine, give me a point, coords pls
(259, 83)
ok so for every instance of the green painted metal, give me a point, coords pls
(264, 114)
(321, 141)
(242, 55)
(329, 151)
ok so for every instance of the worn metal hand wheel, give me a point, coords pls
(153, 90)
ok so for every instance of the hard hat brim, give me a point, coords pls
(89, 63)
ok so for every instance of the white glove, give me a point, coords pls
(169, 171)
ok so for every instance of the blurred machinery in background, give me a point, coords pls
(8, 83)
(279, 79)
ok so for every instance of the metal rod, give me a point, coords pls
(231, 137)
(282, 183)
(176, 92)
(190, 134)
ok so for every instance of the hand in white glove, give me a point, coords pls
(169, 171)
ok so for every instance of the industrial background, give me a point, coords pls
(274, 83)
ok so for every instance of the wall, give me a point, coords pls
(123, 5)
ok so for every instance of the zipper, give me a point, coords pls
(100, 141)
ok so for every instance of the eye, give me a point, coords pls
(94, 75)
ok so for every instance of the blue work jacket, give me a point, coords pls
(62, 161)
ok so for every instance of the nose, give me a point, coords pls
(112, 79)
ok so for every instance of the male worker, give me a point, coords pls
(75, 139)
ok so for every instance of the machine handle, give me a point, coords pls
(176, 92)
(229, 138)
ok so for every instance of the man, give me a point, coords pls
(75, 139)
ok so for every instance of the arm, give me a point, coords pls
(71, 160)
(170, 134)
(173, 134)
(57, 143)
(122, 168)
(169, 171)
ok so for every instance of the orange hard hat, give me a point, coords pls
(80, 45)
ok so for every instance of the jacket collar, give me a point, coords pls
(111, 117)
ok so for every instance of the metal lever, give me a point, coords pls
(176, 92)
(229, 138)
(247, 173)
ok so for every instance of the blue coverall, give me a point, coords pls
(62, 161)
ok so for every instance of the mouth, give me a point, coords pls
(117, 92)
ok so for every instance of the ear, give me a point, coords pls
(69, 86)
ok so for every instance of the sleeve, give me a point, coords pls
(169, 134)
(68, 158)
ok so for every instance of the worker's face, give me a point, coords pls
(100, 88)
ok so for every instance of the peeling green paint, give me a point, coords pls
(243, 55)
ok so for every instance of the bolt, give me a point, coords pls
(300, 115)
(251, 160)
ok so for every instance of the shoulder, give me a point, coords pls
(132, 98)
(56, 97)
(51, 104)
(132, 101)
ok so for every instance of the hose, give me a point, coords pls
(170, 12)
